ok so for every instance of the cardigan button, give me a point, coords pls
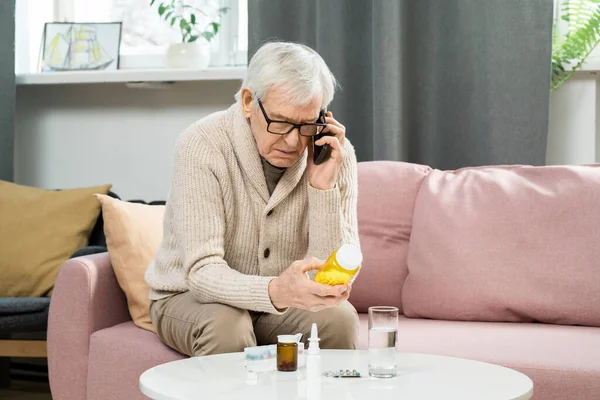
(267, 253)
(270, 212)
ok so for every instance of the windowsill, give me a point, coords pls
(132, 76)
(592, 64)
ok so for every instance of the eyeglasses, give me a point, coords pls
(285, 127)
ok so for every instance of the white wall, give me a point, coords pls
(573, 124)
(82, 135)
(574, 131)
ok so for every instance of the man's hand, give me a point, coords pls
(325, 175)
(294, 289)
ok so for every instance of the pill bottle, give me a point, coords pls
(341, 267)
(287, 353)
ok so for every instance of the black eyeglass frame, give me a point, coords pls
(292, 125)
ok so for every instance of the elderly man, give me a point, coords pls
(249, 210)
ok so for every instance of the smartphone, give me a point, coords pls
(321, 153)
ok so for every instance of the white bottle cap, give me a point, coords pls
(313, 340)
(349, 257)
(287, 339)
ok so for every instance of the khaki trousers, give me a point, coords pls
(196, 329)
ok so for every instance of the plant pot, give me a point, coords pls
(188, 55)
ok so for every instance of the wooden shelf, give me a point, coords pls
(132, 75)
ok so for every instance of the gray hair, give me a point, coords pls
(294, 68)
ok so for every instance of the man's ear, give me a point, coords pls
(247, 102)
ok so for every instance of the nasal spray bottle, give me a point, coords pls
(313, 359)
(313, 366)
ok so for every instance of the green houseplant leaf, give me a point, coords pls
(571, 50)
(186, 17)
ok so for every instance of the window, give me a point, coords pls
(144, 37)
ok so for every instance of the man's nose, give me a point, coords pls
(292, 138)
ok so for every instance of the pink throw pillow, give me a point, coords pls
(507, 243)
(386, 197)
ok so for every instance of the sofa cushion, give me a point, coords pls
(133, 232)
(386, 197)
(561, 360)
(514, 243)
(118, 356)
(40, 230)
(23, 305)
(23, 314)
(30, 322)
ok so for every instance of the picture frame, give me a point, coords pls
(80, 46)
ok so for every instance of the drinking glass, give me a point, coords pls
(383, 335)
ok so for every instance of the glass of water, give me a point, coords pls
(383, 336)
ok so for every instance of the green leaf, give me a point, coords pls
(184, 26)
(161, 9)
(223, 10)
(215, 27)
(583, 35)
(173, 21)
(152, 2)
(208, 36)
(193, 38)
(193, 19)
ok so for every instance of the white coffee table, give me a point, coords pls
(420, 376)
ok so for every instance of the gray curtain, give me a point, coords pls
(7, 88)
(447, 83)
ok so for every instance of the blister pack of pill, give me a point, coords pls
(342, 373)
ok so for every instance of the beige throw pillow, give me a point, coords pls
(39, 230)
(133, 232)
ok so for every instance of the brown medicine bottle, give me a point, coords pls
(287, 353)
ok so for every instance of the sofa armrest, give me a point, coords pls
(86, 298)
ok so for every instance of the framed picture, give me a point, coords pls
(69, 46)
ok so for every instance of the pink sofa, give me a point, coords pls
(96, 352)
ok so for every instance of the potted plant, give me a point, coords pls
(197, 29)
(570, 51)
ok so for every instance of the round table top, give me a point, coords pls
(420, 376)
